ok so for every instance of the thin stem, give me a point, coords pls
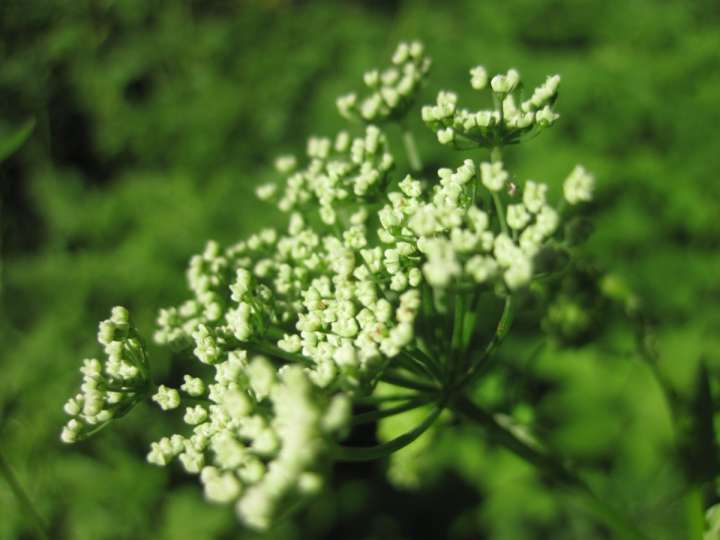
(458, 320)
(498, 102)
(550, 466)
(399, 380)
(457, 334)
(411, 149)
(495, 156)
(379, 414)
(500, 213)
(427, 368)
(502, 330)
(23, 499)
(375, 400)
(273, 350)
(414, 365)
(369, 453)
(428, 360)
(469, 324)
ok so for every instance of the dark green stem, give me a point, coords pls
(372, 416)
(23, 499)
(369, 453)
(273, 350)
(375, 400)
(399, 380)
(550, 466)
(502, 330)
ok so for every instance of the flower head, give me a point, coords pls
(112, 386)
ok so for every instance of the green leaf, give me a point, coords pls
(10, 143)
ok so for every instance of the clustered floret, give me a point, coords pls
(446, 235)
(392, 90)
(258, 435)
(505, 123)
(110, 388)
(339, 172)
(294, 324)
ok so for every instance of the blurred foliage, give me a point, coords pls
(154, 120)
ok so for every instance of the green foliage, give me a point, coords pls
(154, 121)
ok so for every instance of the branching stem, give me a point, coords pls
(550, 466)
(368, 453)
(372, 416)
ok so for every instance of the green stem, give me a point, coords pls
(23, 499)
(273, 350)
(369, 453)
(500, 213)
(375, 400)
(498, 102)
(414, 365)
(457, 335)
(399, 380)
(458, 321)
(550, 466)
(411, 150)
(379, 414)
(495, 156)
(423, 357)
(428, 369)
(502, 330)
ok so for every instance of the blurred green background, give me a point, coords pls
(155, 119)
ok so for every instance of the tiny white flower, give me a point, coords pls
(517, 216)
(547, 220)
(546, 116)
(578, 186)
(285, 164)
(493, 175)
(167, 398)
(195, 415)
(504, 84)
(519, 272)
(445, 136)
(478, 77)
(534, 196)
(193, 386)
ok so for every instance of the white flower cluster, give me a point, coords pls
(338, 172)
(258, 435)
(208, 276)
(328, 307)
(110, 388)
(350, 322)
(336, 303)
(505, 124)
(454, 241)
(392, 90)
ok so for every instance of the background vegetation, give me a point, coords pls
(154, 120)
